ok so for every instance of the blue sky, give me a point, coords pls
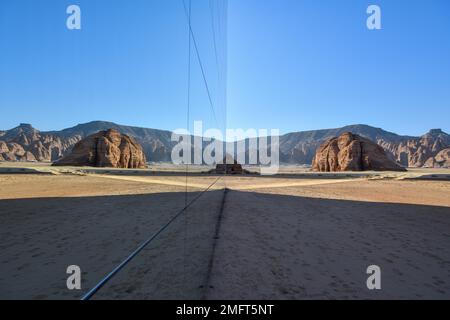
(291, 64)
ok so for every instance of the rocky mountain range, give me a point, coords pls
(25, 143)
(409, 151)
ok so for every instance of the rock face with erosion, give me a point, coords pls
(106, 149)
(409, 151)
(351, 152)
(24, 143)
(441, 160)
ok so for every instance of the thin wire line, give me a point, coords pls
(214, 38)
(188, 92)
(110, 275)
(200, 63)
(187, 164)
(225, 71)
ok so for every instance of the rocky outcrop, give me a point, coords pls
(408, 151)
(350, 152)
(300, 147)
(24, 143)
(157, 144)
(441, 160)
(3, 147)
(106, 149)
(53, 145)
(418, 152)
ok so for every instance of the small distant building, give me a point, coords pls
(229, 166)
(226, 168)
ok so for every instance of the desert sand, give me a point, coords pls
(283, 237)
(316, 242)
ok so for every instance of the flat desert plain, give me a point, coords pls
(282, 237)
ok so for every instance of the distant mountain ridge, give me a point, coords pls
(409, 151)
(301, 146)
(25, 143)
(156, 143)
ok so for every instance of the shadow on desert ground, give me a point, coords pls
(287, 247)
(269, 247)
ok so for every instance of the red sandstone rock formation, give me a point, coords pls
(350, 152)
(106, 149)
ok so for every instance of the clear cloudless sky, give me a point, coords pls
(292, 64)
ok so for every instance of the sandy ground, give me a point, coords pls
(280, 237)
(433, 193)
(94, 222)
(278, 246)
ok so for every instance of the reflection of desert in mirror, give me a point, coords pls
(124, 173)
